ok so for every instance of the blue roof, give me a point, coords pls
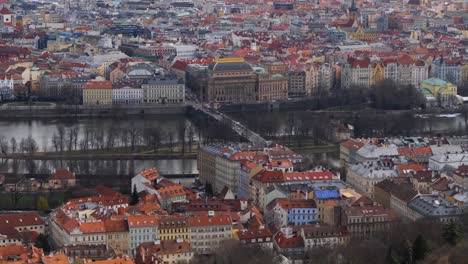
(327, 194)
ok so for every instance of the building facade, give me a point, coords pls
(231, 80)
(97, 93)
(165, 90)
(206, 232)
(127, 95)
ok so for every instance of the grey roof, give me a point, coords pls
(373, 152)
(373, 169)
(230, 66)
(430, 205)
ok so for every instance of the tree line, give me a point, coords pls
(186, 136)
(424, 241)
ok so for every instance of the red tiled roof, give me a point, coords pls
(20, 219)
(62, 174)
(286, 203)
(407, 168)
(352, 144)
(150, 174)
(254, 233)
(293, 242)
(5, 11)
(99, 85)
(92, 227)
(119, 225)
(142, 220)
(210, 220)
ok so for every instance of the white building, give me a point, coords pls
(164, 90)
(6, 89)
(325, 77)
(142, 228)
(186, 52)
(363, 176)
(127, 95)
(356, 73)
(437, 162)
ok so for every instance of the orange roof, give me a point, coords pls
(55, 259)
(210, 220)
(62, 174)
(150, 174)
(407, 168)
(404, 151)
(118, 260)
(281, 164)
(423, 150)
(352, 144)
(7, 251)
(171, 191)
(142, 220)
(99, 85)
(92, 227)
(116, 225)
(286, 203)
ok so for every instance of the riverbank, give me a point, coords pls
(46, 110)
(115, 111)
(104, 156)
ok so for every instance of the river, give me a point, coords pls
(277, 123)
(43, 129)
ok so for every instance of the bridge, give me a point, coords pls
(236, 126)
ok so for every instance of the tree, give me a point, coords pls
(42, 204)
(61, 137)
(134, 199)
(42, 241)
(171, 141)
(4, 148)
(29, 145)
(420, 248)
(181, 129)
(134, 137)
(231, 251)
(13, 145)
(453, 233)
(208, 189)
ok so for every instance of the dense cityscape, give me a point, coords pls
(225, 132)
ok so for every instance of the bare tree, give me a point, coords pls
(181, 129)
(70, 138)
(111, 138)
(29, 145)
(4, 147)
(170, 141)
(153, 138)
(190, 136)
(135, 137)
(55, 142)
(13, 145)
(124, 138)
(61, 133)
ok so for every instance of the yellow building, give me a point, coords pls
(97, 93)
(439, 92)
(117, 236)
(362, 35)
(378, 73)
(464, 74)
(165, 251)
(173, 227)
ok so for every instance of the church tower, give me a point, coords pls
(353, 11)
